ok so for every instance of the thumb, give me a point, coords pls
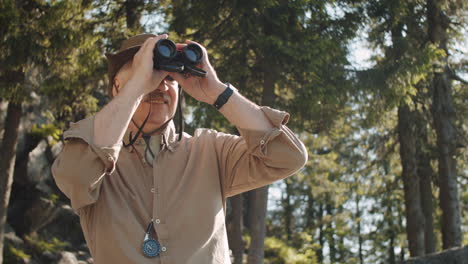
(158, 76)
(179, 77)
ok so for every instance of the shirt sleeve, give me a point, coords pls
(258, 158)
(81, 166)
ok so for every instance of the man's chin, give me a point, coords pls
(153, 124)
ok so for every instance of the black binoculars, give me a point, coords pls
(166, 57)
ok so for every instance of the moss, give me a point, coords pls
(53, 198)
(14, 255)
(39, 245)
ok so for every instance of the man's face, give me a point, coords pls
(161, 103)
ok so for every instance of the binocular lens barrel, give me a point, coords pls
(166, 57)
(165, 48)
(193, 53)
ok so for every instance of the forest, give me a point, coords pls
(386, 179)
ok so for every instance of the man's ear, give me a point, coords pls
(115, 87)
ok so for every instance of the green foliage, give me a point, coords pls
(351, 191)
(12, 255)
(45, 130)
(52, 49)
(54, 198)
(297, 49)
(39, 245)
(278, 252)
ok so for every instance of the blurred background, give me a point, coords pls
(376, 89)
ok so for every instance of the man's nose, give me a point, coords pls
(162, 86)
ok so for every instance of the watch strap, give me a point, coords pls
(223, 97)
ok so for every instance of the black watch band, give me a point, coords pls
(223, 97)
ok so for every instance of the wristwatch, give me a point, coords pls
(224, 96)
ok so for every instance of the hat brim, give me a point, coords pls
(116, 61)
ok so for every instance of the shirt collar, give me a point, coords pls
(168, 139)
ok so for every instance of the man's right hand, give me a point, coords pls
(143, 76)
(111, 122)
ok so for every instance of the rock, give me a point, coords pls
(40, 214)
(68, 258)
(66, 227)
(11, 238)
(38, 164)
(12, 246)
(56, 149)
(49, 257)
(84, 256)
(450, 256)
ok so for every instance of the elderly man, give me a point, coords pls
(147, 195)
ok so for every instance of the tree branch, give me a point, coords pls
(454, 76)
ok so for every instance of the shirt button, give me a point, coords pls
(157, 221)
(153, 190)
(262, 141)
(163, 249)
(109, 158)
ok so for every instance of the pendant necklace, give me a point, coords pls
(151, 247)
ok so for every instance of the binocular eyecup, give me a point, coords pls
(166, 57)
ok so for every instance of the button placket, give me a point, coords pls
(157, 203)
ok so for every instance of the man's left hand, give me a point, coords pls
(205, 89)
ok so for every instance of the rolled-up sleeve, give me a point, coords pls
(81, 166)
(258, 158)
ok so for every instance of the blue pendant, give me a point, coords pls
(151, 247)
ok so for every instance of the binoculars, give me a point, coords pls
(166, 57)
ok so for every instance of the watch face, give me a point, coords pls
(151, 248)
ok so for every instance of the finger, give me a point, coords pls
(180, 46)
(205, 61)
(142, 49)
(180, 78)
(148, 45)
(194, 42)
(162, 36)
(158, 76)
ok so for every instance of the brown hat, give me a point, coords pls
(126, 52)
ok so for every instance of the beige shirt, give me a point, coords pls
(116, 193)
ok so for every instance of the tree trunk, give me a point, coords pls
(7, 162)
(413, 210)
(407, 140)
(321, 238)
(360, 240)
(259, 202)
(288, 213)
(315, 217)
(443, 113)
(133, 9)
(257, 225)
(236, 242)
(391, 249)
(331, 234)
(426, 174)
